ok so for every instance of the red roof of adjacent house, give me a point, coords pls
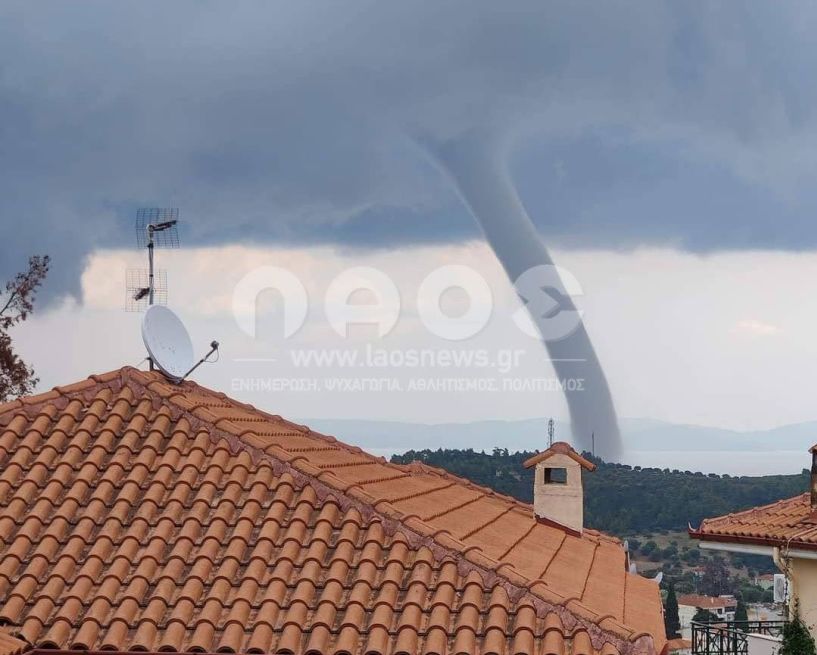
(706, 602)
(784, 523)
(140, 515)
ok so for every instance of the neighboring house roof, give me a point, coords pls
(706, 602)
(140, 515)
(784, 523)
(559, 448)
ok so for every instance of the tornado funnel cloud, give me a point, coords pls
(481, 176)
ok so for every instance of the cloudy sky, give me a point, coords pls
(665, 151)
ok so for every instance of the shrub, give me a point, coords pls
(796, 638)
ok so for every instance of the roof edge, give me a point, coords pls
(754, 541)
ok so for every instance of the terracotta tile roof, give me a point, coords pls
(140, 515)
(784, 523)
(706, 602)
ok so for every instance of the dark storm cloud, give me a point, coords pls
(689, 124)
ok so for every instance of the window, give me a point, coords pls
(555, 476)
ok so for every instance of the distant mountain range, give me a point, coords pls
(649, 434)
(647, 442)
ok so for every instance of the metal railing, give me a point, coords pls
(730, 637)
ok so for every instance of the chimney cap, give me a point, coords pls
(561, 448)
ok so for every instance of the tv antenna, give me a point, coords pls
(163, 333)
(155, 228)
(551, 431)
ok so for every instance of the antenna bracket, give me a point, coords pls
(213, 349)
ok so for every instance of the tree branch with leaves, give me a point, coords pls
(16, 304)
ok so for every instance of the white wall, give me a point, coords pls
(685, 614)
(763, 645)
(804, 588)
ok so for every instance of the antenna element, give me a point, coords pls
(158, 223)
(137, 288)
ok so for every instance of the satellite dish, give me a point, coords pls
(167, 342)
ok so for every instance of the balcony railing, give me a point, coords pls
(730, 637)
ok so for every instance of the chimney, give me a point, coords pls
(558, 497)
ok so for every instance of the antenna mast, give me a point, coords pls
(150, 265)
(155, 228)
(551, 430)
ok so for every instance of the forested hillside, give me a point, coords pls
(622, 499)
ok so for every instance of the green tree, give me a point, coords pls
(704, 616)
(672, 622)
(649, 547)
(715, 580)
(796, 638)
(740, 611)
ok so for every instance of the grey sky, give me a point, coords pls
(685, 124)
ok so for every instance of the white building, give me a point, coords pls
(723, 607)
